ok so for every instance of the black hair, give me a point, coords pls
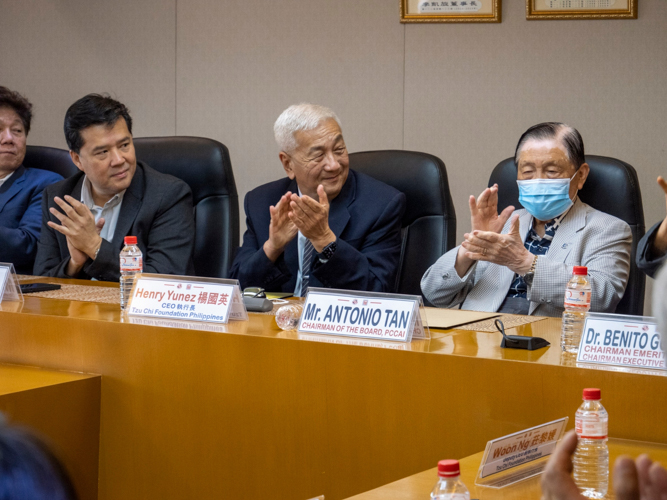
(21, 105)
(93, 109)
(569, 136)
(29, 470)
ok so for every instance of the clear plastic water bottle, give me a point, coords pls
(131, 263)
(591, 460)
(449, 485)
(288, 316)
(577, 304)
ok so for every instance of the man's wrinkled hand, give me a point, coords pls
(557, 481)
(312, 218)
(281, 229)
(77, 257)
(484, 211)
(77, 223)
(632, 480)
(503, 249)
(642, 479)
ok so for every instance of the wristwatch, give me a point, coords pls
(530, 275)
(328, 252)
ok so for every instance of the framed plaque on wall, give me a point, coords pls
(450, 11)
(581, 9)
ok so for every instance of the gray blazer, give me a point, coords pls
(585, 237)
(156, 208)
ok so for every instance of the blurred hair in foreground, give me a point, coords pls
(28, 469)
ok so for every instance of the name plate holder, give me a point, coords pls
(189, 298)
(519, 456)
(367, 315)
(10, 289)
(621, 341)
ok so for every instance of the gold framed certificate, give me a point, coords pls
(450, 11)
(581, 9)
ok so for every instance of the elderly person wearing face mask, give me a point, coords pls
(522, 264)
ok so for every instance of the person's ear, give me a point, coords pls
(76, 159)
(286, 160)
(583, 172)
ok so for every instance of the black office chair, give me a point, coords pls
(612, 187)
(52, 159)
(429, 223)
(205, 166)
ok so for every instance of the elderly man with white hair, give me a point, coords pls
(324, 225)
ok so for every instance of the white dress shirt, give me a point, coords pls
(301, 242)
(109, 211)
(6, 177)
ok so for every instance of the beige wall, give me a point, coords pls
(225, 69)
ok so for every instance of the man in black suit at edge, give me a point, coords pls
(652, 248)
(86, 217)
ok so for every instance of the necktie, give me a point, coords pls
(308, 252)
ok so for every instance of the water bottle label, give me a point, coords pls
(591, 427)
(132, 264)
(578, 298)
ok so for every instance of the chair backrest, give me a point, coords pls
(612, 187)
(205, 166)
(52, 159)
(429, 223)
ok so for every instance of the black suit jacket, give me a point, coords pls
(646, 259)
(366, 219)
(156, 208)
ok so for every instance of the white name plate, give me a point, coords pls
(379, 316)
(618, 340)
(10, 289)
(187, 298)
(518, 456)
(4, 277)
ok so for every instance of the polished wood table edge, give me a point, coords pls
(454, 342)
(419, 485)
(17, 378)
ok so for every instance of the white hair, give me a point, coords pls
(299, 117)
(660, 304)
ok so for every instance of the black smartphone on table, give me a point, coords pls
(38, 287)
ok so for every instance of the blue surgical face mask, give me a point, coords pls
(545, 199)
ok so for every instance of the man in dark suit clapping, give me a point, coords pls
(324, 225)
(86, 217)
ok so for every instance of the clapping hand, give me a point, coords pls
(503, 249)
(78, 225)
(281, 229)
(311, 217)
(484, 211)
(484, 217)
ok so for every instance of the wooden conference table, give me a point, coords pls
(233, 411)
(418, 486)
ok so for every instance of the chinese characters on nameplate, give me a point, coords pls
(449, 6)
(187, 298)
(518, 456)
(578, 4)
